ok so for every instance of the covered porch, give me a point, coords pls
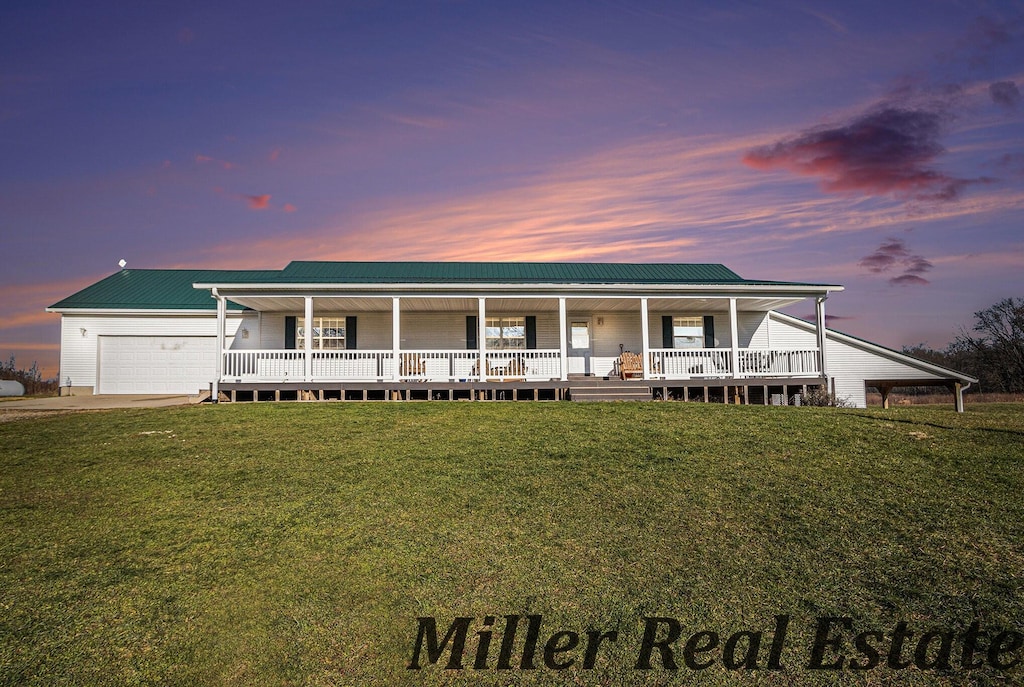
(439, 337)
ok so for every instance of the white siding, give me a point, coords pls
(432, 331)
(373, 330)
(785, 335)
(849, 362)
(79, 351)
(547, 331)
(618, 328)
(272, 331)
(751, 328)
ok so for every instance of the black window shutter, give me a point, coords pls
(289, 332)
(709, 331)
(666, 331)
(350, 332)
(471, 332)
(531, 331)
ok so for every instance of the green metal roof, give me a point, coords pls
(506, 272)
(173, 289)
(158, 290)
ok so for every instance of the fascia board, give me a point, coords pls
(469, 290)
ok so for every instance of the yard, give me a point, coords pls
(273, 544)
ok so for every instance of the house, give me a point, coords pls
(469, 330)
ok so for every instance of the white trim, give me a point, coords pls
(563, 339)
(481, 333)
(734, 338)
(396, 337)
(221, 324)
(645, 339)
(307, 339)
(328, 288)
(142, 311)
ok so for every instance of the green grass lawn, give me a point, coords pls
(298, 544)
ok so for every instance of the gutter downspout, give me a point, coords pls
(820, 323)
(958, 397)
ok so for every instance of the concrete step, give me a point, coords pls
(617, 392)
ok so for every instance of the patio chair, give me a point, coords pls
(413, 365)
(631, 365)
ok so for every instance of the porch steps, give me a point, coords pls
(590, 389)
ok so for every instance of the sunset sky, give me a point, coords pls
(878, 145)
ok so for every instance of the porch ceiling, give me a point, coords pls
(336, 304)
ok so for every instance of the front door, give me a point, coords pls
(581, 346)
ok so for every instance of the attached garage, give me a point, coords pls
(156, 364)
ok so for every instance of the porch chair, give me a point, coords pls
(630, 365)
(413, 365)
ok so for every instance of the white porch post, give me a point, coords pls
(734, 339)
(396, 339)
(221, 323)
(308, 341)
(645, 338)
(819, 321)
(563, 340)
(481, 335)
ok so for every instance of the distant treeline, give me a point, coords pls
(993, 351)
(31, 378)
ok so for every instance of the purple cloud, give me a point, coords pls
(893, 253)
(888, 151)
(909, 280)
(1005, 94)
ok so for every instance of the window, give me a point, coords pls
(687, 332)
(328, 333)
(506, 332)
(579, 335)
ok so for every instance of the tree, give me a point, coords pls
(995, 355)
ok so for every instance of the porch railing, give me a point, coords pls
(290, 365)
(687, 363)
(532, 364)
(362, 366)
(365, 366)
(683, 363)
(754, 362)
(264, 365)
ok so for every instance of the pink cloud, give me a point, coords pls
(288, 207)
(274, 154)
(204, 159)
(888, 151)
(258, 202)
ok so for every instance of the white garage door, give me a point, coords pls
(156, 364)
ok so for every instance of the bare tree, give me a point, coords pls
(996, 353)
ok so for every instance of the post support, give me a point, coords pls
(734, 339)
(481, 323)
(563, 340)
(396, 339)
(645, 338)
(308, 341)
